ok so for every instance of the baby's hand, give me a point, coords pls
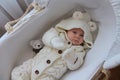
(58, 43)
(69, 55)
(69, 52)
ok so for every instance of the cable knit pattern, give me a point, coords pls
(22, 72)
(57, 70)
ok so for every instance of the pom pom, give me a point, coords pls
(77, 15)
(92, 25)
(81, 16)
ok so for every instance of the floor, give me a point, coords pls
(112, 74)
(115, 73)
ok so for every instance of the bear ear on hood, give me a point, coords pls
(81, 16)
(92, 25)
(85, 17)
(77, 15)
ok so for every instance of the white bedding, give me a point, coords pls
(14, 47)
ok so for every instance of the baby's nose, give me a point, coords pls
(78, 37)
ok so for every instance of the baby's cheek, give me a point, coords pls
(81, 41)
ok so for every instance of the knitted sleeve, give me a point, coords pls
(74, 58)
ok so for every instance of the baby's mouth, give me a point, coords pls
(76, 41)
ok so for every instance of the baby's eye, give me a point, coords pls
(81, 35)
(74, 32)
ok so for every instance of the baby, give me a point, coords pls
(64, 50)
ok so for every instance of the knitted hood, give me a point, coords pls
(78, 20)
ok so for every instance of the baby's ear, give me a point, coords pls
(93, 26)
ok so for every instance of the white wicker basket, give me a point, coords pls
(14, 45)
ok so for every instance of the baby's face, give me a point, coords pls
(76, 36)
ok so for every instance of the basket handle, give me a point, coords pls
(8, 26)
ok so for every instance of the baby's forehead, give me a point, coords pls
(76, 29)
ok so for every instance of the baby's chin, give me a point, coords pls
(76, 44)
